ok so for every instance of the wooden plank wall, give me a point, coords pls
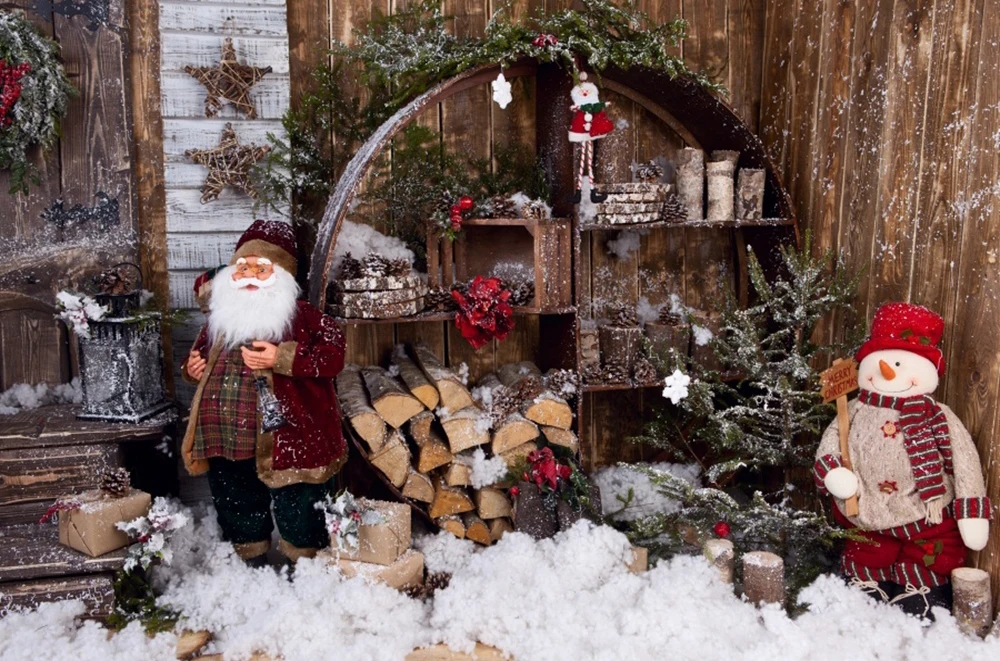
(883, 118)
(203, 236)
(94, 154)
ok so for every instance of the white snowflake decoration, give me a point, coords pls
(676, 386)
(344, 518)
(151, 533)
(501, 91)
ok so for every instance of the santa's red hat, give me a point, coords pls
(908, 327)
(272, 239)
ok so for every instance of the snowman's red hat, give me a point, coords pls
(908, 327)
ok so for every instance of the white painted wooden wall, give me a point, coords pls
(203, 236)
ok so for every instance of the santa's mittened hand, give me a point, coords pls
(841, 482)
(975, 533)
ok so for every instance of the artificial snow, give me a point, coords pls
(358, 239)
(566, 598)
(485, 470)
(624, 244)
(646, 312)
(23, 396)
(521, 200)
(615, 483)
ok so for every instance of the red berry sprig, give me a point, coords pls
(10, 89)
(722, 529)
(543, 40)
(465, 203)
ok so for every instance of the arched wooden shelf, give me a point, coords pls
(696, 116)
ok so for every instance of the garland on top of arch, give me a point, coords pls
(396, 58)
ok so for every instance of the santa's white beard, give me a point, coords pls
(240, 316)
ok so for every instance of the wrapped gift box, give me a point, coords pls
(383, 543)
(91, 527)
(406, 571)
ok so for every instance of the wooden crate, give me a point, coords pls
(541, 248)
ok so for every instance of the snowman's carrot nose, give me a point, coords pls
(887, 371)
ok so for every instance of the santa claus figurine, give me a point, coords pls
(264, 422)
(915, 470)
(590, 122)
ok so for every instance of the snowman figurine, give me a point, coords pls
(590, 122)
(915, 470)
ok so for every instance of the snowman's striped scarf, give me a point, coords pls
(925, 436)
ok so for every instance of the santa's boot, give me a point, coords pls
(919, 601)
(597, 197)
(880, 591)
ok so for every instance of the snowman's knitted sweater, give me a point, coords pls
(887, 490)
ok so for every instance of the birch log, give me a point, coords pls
(448, 500)
(545, 408)
(393, 459)
(453, 394)
(458, 475)
(390, 399)
(418, 487)
(432, 450)
(466, 428)
(354, 402)
(499, 528)
(973, 607)
(476, 529)
(562, 437)
(750, 194)
(514, 429)
(691, 181)
(491, 503)
(414, 378)
(722, 556)
(452, 524)
(721, 193)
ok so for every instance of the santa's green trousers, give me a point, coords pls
(243, 507)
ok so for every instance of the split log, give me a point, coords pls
(545, 408)
(491, 503)
(562, 437)
(690, 180)
(476, 529)
(499, 528)
(750, 194)
(415, 379)
(512, 457)
(393, 459)
(639, 560)
(392, 402)
(448, 500)
(454, 396)
(973, 608)
(763, 578)
(458, 475)
(191, 642)
(466, 428)
(722, 556)
(418, 487)
(433, 451)
(721, 190)
(354, 402)
(514, 429)
(452, 524)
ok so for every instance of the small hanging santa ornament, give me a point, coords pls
(914, 468)
(590, 122)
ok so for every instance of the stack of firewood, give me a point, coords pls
(637, 203)
(377, 288)
(421, 424)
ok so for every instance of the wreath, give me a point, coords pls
(34, 93)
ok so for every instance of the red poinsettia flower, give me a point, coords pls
(483, 312)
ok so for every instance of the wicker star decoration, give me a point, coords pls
(228, 81)
(228, 163)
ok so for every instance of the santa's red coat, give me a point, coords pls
(583, 129)
(310, 447)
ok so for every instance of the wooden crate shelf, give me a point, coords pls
(688, 224)
(450, 316)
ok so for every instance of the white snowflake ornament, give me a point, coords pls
(676, 386)
(501, 91)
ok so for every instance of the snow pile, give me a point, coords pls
(616, 481)
(646, 312)
(521, 200)
(358, 239)
(485, 471)
(24, 396)
(565, 598)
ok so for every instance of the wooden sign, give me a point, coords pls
(835, 383)
(839, 380)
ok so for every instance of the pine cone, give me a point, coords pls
(624, 316)
(592, 374)
(113, 282)
(500, 206)
(614, 372)
(669, 318)
(528, 389)
(505, 402)
(350, 268)
(521, 292)
(439, 298)
(644, 371)
(116, 482)
(534, 210)
(435, 581)
(375, 264)
(398, 267)
(649, 173)
(673, 210)
(565, 383)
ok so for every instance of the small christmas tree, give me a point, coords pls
(750, 432)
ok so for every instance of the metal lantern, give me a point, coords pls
(121, 363)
